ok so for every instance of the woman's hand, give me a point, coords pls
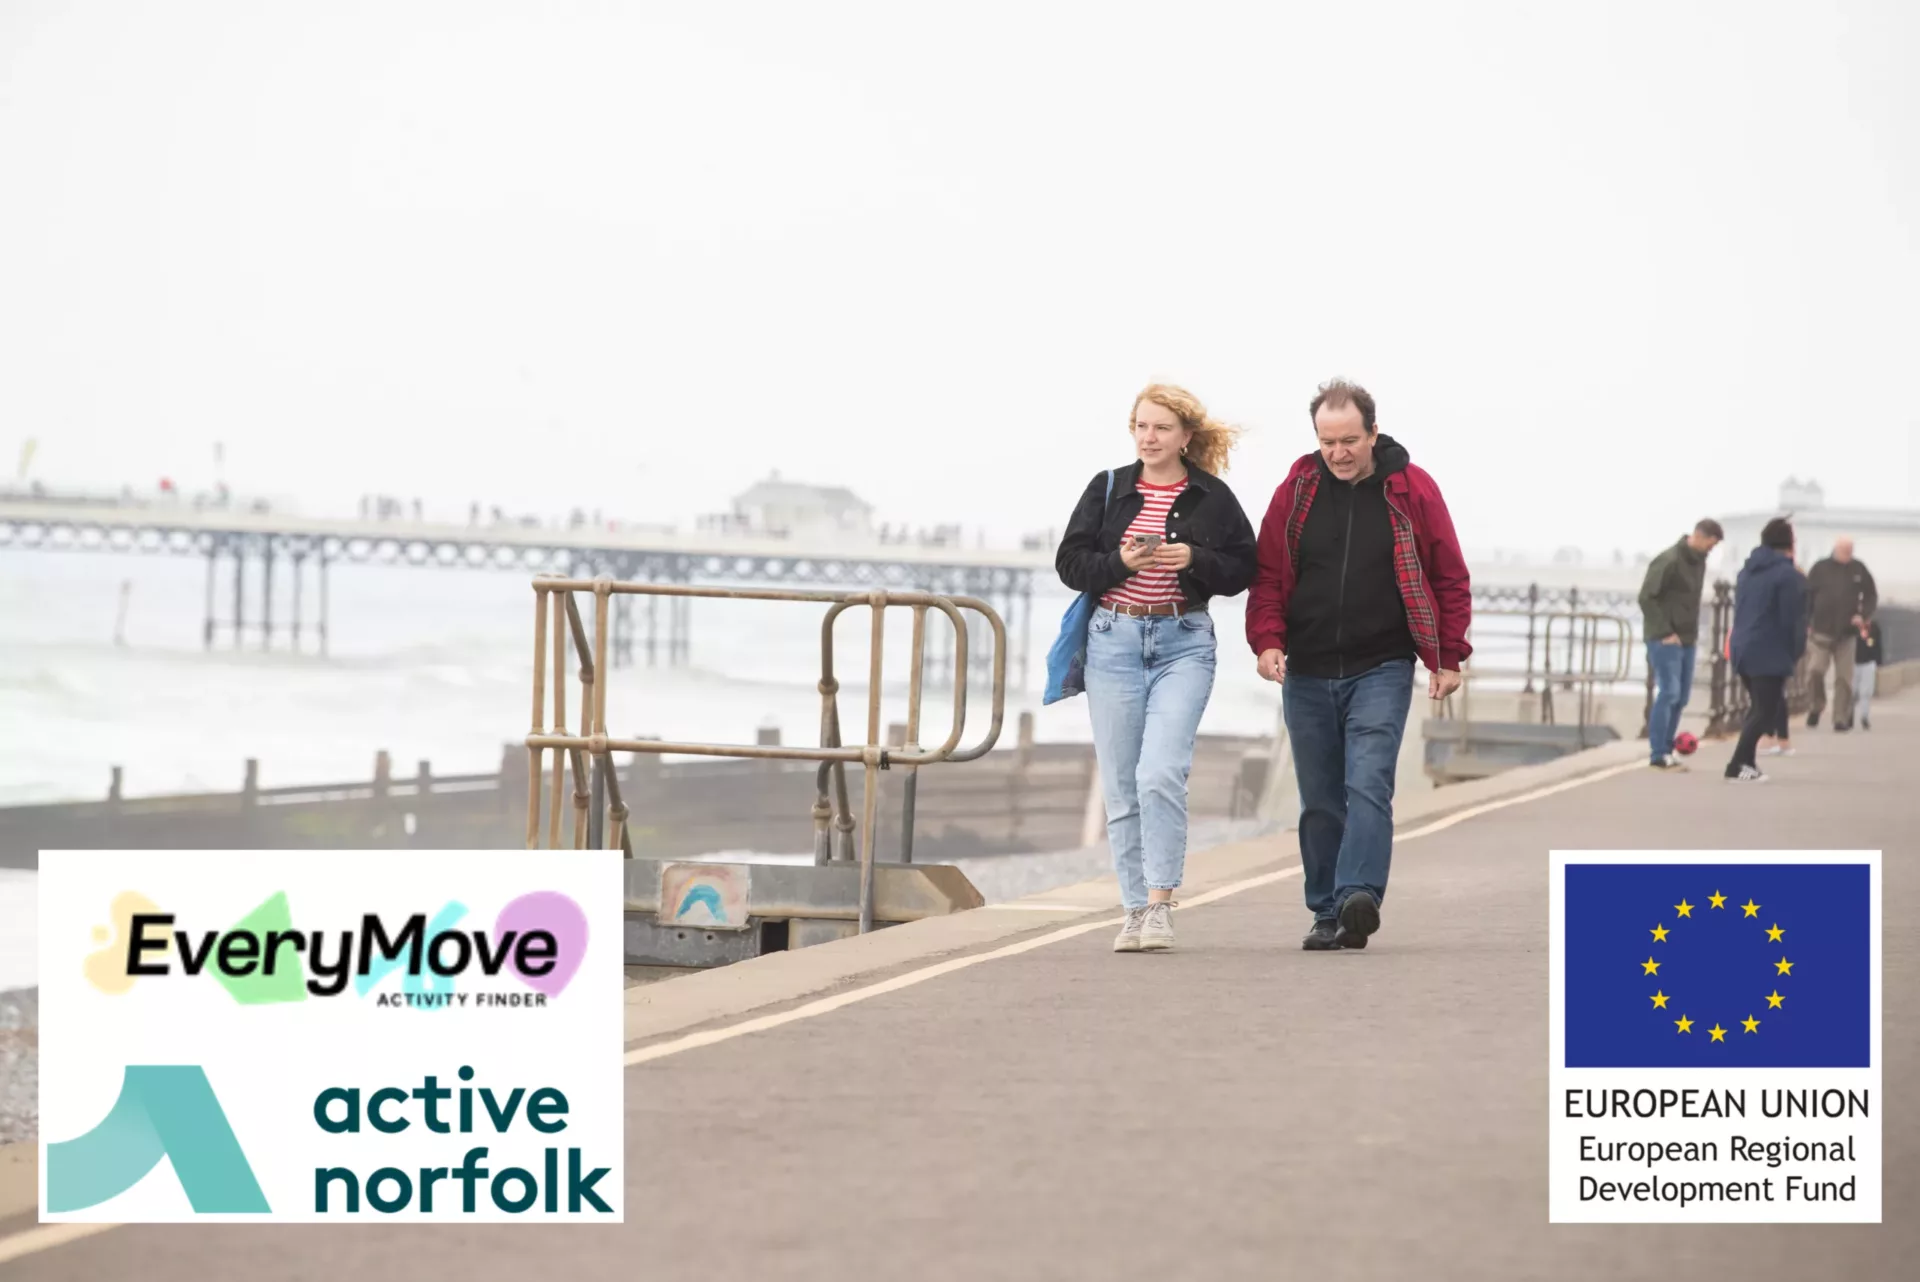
(1135, 557)
(1173, 556)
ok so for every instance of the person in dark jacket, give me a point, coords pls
(1841, 597)
(1670, 607)
(1778, 740)
(1169, 537)
(1769, 636)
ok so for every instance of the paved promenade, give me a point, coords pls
(1038, 1107)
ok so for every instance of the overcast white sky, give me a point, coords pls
(1607, 267)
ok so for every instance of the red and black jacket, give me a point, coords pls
(1429, 568)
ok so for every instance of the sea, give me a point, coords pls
(436, 665)
(103, 663)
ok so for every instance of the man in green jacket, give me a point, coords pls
(1670, 604)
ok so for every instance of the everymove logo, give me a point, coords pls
(539, 938)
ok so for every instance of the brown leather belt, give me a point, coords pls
(1165, 609)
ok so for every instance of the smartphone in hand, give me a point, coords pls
(1148, 541)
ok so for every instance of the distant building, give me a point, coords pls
(790, 509)
(1887, 540)
(1801, 496)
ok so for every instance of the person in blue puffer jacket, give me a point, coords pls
(1769, 636)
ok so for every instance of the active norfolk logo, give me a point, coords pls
(165, 1111)
(321, 1036)
(1714, 1036)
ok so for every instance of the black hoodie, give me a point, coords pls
(1346, 615)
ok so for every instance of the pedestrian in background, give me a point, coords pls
(1670, 608)
(1841, 597)
(1769, 635)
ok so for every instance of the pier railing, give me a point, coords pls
(599, 812)
(1549, 693)
(1571, 651)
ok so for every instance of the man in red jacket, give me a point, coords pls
(1360, 573)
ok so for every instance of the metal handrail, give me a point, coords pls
(1581, 640)
(563, 620)
(1588, 640)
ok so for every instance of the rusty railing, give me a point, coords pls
(596, 788)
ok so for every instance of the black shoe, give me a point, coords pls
(1320, 939)
(1866, 724)
(1359, 917)
(1813, 719)
(1840, 729)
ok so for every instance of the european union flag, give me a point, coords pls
(1718, 965)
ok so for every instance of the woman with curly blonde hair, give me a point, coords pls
(1154, 540)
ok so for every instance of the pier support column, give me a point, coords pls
(679, 631)
(323, 603)
(940, 638)
(266, 596)
(213, 556)
(622, 639)
(1024, 629)
(239, 591)
(979, 634)
(299, 582)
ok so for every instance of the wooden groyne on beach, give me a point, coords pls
(1020, 798)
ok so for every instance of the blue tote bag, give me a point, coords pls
(1067, 660)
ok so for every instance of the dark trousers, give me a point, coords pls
(1782, 728)
(1766, 712)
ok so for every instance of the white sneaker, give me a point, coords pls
(1156, 933)
(1128, 940)
(1748, 774)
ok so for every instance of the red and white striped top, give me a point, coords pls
(1153, 585)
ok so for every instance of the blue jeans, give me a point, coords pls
(1672, 667)
(1863, 682)
(1346, 734)
(1148, 681)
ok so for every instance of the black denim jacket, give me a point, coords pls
(1206, 517)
